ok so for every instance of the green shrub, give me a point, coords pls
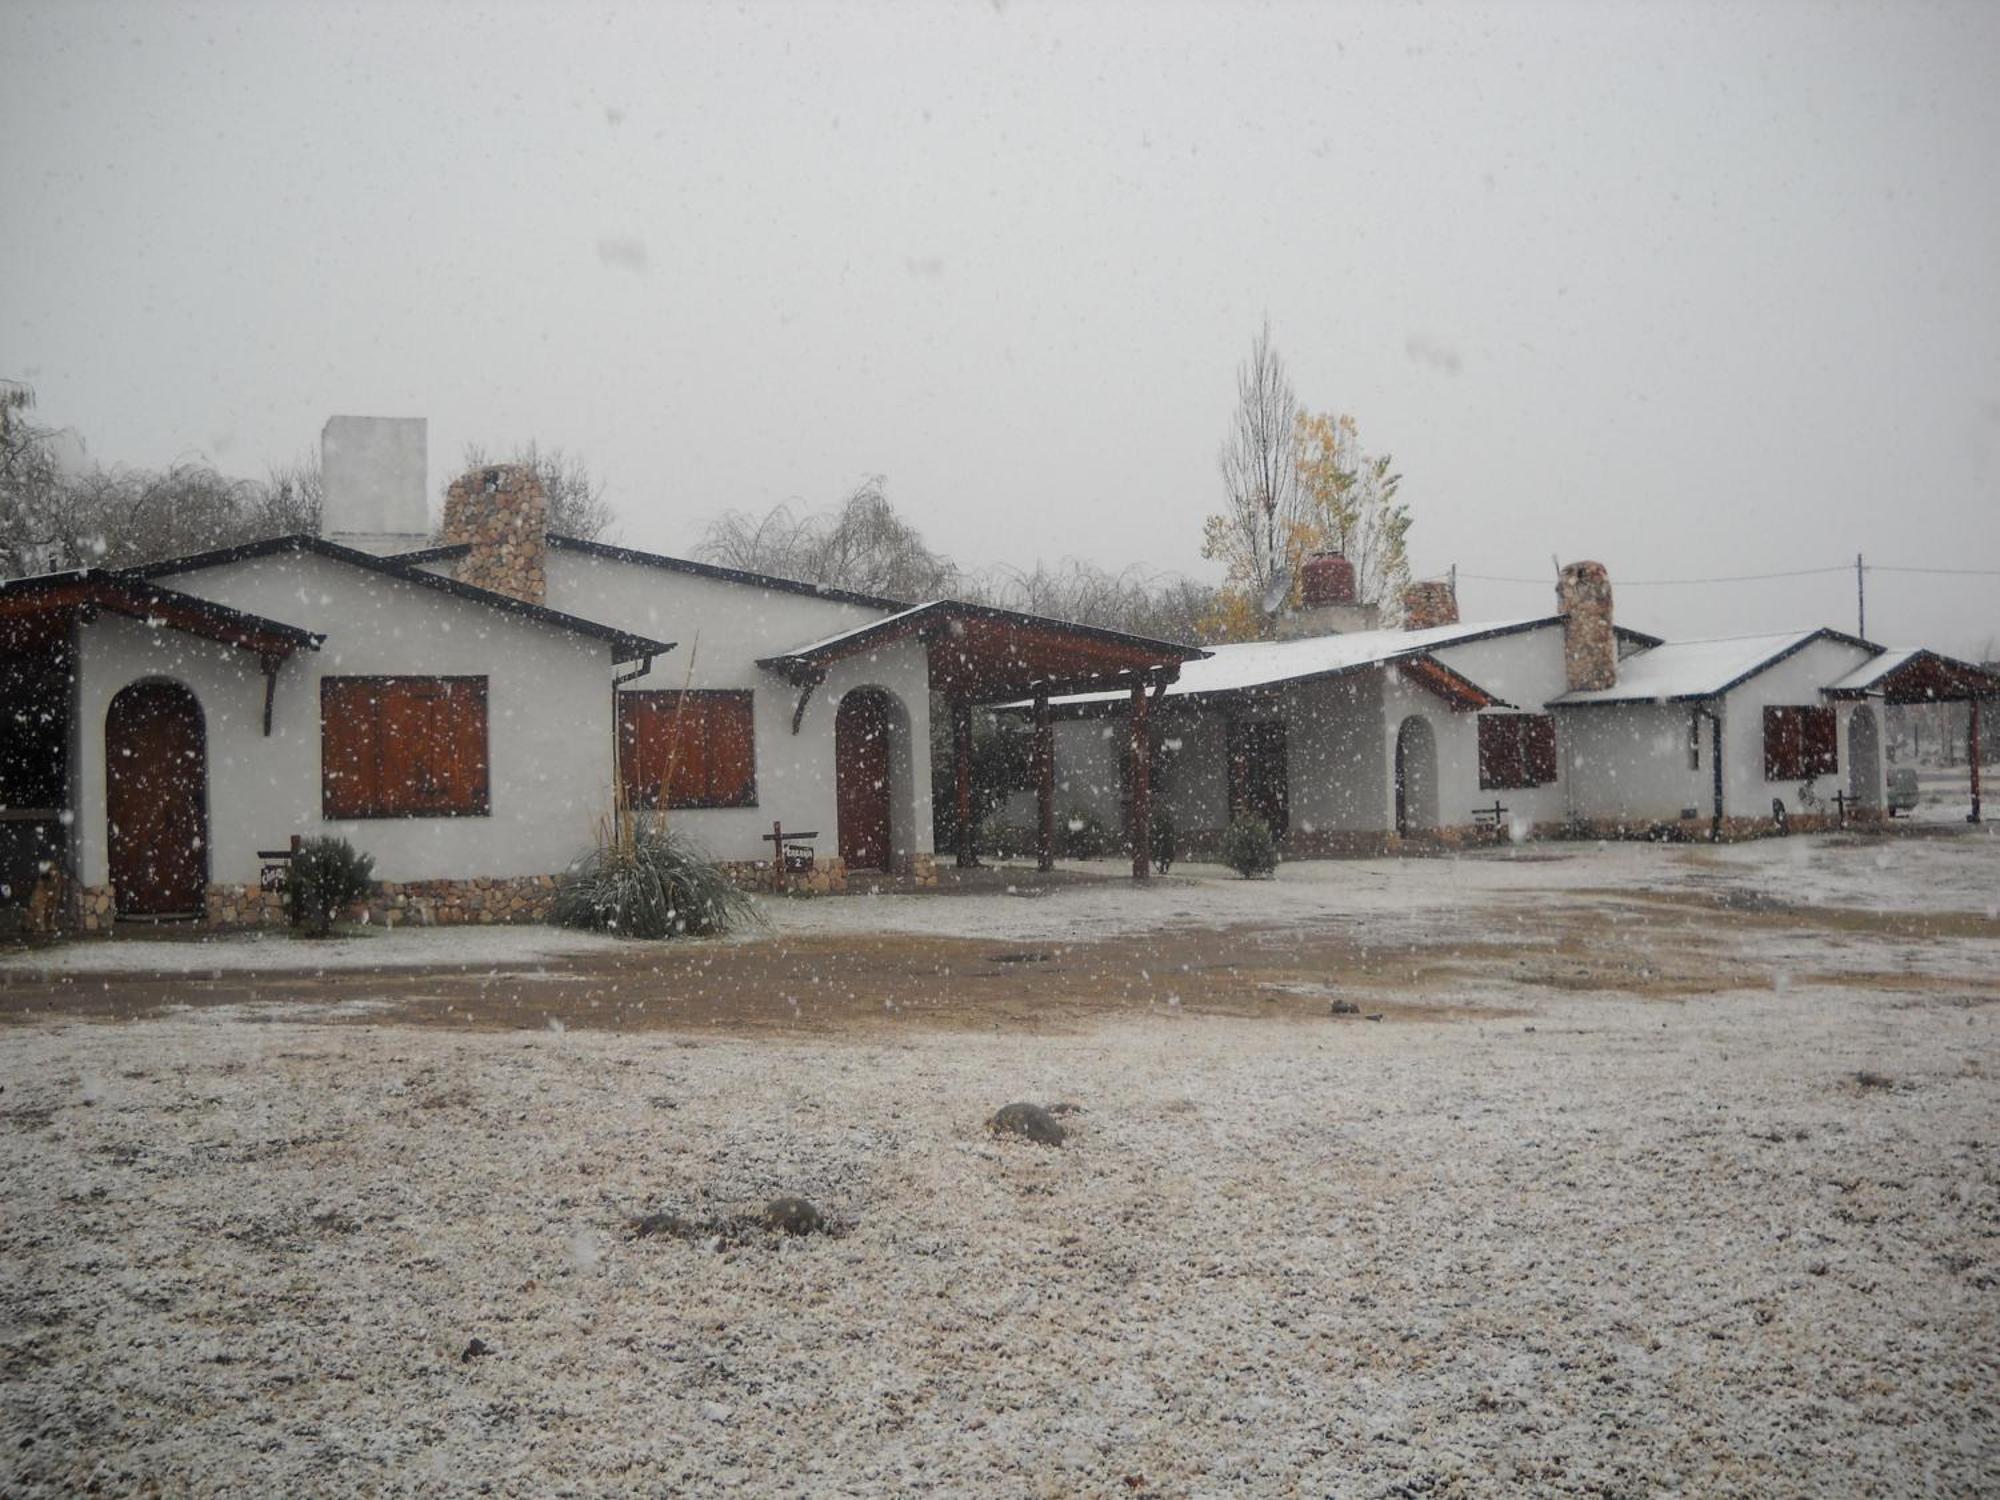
(1082, 834)
(1162, 841)
(324, 878)
(649, 883)
(1004, 840)
(1248, 848)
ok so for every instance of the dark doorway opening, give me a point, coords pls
(1259, 773)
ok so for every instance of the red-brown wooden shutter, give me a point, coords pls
(1538, 733)
(1499, 752)
(1781, 744)
(732, 751)
(350, 776)
(709, 738)
(1819, 741)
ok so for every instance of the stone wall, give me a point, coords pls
(501, 513)
(1590, 645)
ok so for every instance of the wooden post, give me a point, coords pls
(1045, 786)
(961, 744)
(778, 881)
(1142, 788)
(1972, 747)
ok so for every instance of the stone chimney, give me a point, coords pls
(1590, 645)
(1428, 605)
(501, 512)
(373, 483)
(1327, 604)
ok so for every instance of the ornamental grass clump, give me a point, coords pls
(643, 881)
(1249, 849)
(324, 877)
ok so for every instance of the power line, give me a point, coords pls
(1646, 583)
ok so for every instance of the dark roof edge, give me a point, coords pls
(723, 574)
(152, 592)
(622, 641)
(443, 552)
(914, 618)
(1824, 633)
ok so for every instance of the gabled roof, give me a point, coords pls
(625, 645)
(719, 573)
(1917, 676)
(1254, 665)
(33, 606)
(1687, 671)
(983, 652)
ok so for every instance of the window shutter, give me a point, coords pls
(1820, 741)
(1538, 732)
(1781, 744)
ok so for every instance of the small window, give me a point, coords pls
(1516, 751)
(692, 749)
(1800, 742)
(403, 747)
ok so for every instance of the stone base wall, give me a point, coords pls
(827, 877)
(390, 903)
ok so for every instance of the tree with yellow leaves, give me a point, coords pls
(1350, 507)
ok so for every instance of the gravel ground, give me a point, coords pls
(1743, 1243)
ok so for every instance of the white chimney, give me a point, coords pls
(375, 481)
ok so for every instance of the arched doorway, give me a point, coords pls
(156, 800)
(861, 779)
(1864, 759)
(1416, 777)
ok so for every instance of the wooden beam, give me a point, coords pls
(1972, 738)
(961, 744)
(1045, 785)
(1142, 787)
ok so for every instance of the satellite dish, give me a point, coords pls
(1279, 591)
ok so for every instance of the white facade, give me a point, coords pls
(724, 626)
(548, 720)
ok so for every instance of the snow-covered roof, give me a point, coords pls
(1679, 671)
(1260, 664)
(1917, 675)
(1870, 673)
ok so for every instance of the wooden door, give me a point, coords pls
(861, 779)
(156, 800)
(1259, 776)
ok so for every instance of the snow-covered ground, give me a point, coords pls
(273, 952)
(1739, 1243)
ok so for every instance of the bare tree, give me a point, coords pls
(1260, 479)
(1168, 607)
(862, 544)
(577, 506)
(292, 499)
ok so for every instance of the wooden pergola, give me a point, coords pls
(1922, 676)
(979, 654)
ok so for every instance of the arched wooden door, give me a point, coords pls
(156, 800)
(861, 778)
(1416, 778)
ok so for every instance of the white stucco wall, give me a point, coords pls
(1795, 680)
(1630, 762)
(1339, 778)
(723, 628)
(548, 720)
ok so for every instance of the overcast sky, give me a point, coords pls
(1695, 290)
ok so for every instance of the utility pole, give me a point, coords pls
(1860, 599)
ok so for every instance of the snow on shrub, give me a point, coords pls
(1248, 848)
(643, 881)
(324, 878)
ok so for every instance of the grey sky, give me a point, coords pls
(1692, 289)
